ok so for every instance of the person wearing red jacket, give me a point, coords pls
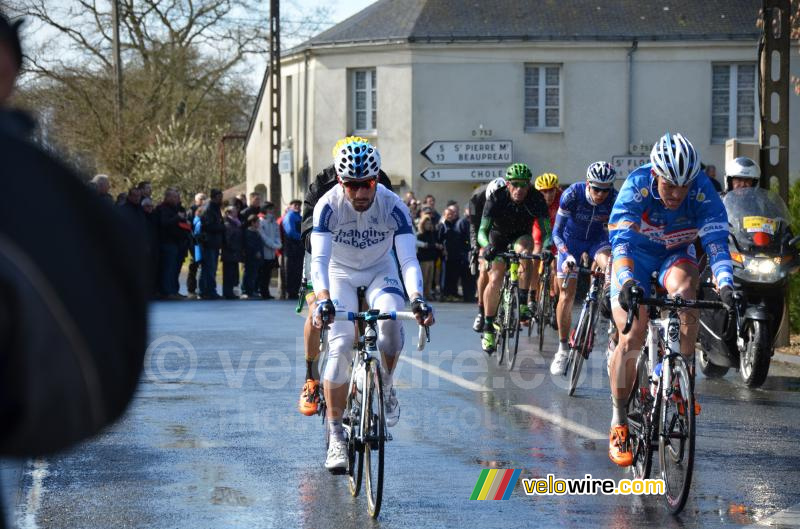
(547, 184)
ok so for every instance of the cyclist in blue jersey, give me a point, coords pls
(580, 228)
(662, 208)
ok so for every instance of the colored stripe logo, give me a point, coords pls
(495, 484)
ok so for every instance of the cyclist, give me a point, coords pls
(580, 228)
(355, 225)
(661, 210)
(323, 182)
(741, 172)
(476, 203)
(508, 219)
(547, 185)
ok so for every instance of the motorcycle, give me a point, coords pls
(763, 255)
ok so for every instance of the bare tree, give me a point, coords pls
(183, 59)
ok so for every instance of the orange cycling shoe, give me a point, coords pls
(309, 398)
(618, 449)
(679, 402)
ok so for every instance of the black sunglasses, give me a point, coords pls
(359, 184)
(601, 189)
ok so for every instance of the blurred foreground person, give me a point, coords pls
(73, 328)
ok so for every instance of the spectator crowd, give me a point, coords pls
(253, 245)
(242, 234)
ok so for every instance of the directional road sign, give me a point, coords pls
(469, 152)
(463, 174)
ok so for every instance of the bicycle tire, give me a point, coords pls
(355, 453)
(500, 321)
(542, 308)
(513, 319)
(575, 360)
(376, 430)
(640, 407)
(676, 440)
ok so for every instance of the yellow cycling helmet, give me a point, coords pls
(344, 141)
(546, 181)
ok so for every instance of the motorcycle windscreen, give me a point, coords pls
(758, 219)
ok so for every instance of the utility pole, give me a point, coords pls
(774, 79)
(117, 75)
(275, 103)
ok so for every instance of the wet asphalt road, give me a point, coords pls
(213, 439)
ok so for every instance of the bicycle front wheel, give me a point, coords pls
(375, 437)
(501, 329)
(512, 339)
(640, 411)
(355, 451)
(677, 435)
(542, 306)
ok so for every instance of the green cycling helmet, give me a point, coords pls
(519, 172)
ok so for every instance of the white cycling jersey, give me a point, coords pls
(362, 240)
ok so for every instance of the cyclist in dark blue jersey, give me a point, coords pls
(580, 228)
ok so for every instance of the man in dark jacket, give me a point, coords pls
(463, 226)
(173, 232)
(232, 252)
(293, 250)
(456, 246)
(194, 265)
(213, 232)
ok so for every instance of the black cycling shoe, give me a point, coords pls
(477, 325)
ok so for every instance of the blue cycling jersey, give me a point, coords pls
(642, 228)
(580, 220)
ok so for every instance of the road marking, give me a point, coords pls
(34, 500)
(787, 518)
(561, 422)
(455, 379)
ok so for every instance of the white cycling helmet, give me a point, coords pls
(675, 160)
(494, 185)
(357, 160)
(602, 173)
(742, 167)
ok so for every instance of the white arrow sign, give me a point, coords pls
(462, 174)
(469, 152)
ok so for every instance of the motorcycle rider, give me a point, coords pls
(741, 172)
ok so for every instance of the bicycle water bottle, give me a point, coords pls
(654, 378)
(514, 271)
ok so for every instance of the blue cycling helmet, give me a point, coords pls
(602, 173)
(675, 160)
(357, 160)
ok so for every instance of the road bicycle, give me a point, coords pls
(544, 313)
(507, 322)
(363, 417)
(661, 408)
(582, 339)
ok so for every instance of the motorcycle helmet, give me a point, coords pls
(742, 167)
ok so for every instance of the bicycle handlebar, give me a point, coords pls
(424, 330)
(668, 302)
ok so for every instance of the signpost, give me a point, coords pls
(626, 164)
(463, 174)
(469, 152)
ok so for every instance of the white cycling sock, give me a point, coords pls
(388, 380)
(619, 412)
(336, 430)
(563, 346)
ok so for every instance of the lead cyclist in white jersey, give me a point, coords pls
(355, 225)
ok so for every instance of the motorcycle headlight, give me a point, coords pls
(761, 266)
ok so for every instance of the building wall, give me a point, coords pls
(430, 92)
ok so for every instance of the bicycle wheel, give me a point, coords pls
(576, 351)
(355, 452)
(677, 435)
(500, 321)
(542, 308)
(375, 437)
(512, 338)
(640, 413)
